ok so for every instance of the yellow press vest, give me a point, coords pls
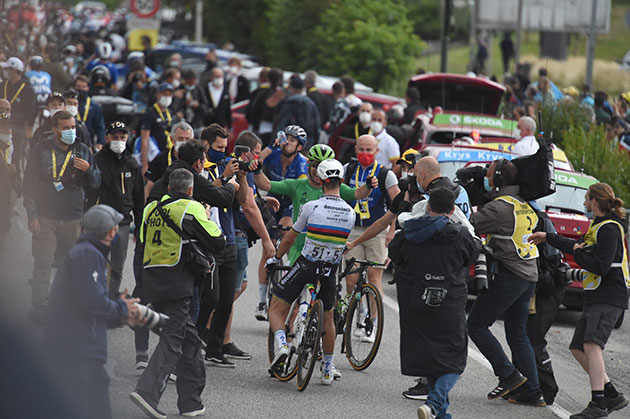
(162, 245)
(525, 221)
(591, 281)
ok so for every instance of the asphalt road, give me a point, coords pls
(248, 391)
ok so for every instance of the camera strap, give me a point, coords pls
(169, 221)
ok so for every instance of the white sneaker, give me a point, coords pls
(194, 413)
(369, 339)
(328, 377)
(425, 412)
(359, 331)
(336, 373)
(277, 365)
(261, 312)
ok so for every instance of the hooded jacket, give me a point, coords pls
(79, 308)
(435, 256)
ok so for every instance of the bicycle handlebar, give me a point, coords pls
(362, 265)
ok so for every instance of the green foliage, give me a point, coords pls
(238, 21)
(590, 151)
(556, 118)
(425, 15)
(288, 37)
(372, 40)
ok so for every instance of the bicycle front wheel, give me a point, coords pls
(364, 326)
(309, 347)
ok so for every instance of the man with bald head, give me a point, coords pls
(362, 124)
(218, 98)
(371, 208)
(527, 144)
(388, 148)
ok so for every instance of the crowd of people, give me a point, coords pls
(92, 177)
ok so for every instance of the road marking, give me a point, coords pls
(556, 409)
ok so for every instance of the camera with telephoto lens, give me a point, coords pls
(571, 275)
(154, 321)
(481, 269)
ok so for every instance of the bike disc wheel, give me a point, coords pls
(364, 326)
(309, 347)
(291, 363)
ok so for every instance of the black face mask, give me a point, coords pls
(82, 95)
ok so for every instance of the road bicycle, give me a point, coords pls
(303, 331)
(359, 315)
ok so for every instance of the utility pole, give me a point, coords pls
(590, 52)
(519, 25)
(445, 32)
(198, 20)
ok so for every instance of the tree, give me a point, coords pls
(372, 40)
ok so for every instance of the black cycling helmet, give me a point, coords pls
(297, 132)
(99, 76)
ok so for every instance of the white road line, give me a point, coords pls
(556, 409)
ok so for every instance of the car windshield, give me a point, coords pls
(567, 199)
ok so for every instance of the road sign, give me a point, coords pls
(144, 8)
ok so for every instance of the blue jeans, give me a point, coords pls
(241, 261)
(438, 394)
(508, 295)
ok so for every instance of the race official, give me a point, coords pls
(155, 125)
(508, 221)
(122, 189)
(75, 336)
(168, 284)
(58, 173)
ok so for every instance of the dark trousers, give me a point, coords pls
(180, 349)
(218, 296)
(507, 296)
(141, 334)
(85, 385)
(118, 258)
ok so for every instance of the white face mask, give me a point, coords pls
(233, 69)
(5, 138)
(365, 117)
(175, 83)
(52, 112)
(217, 82)
(376, 127)
(165, 101)
(404, 175)
(117, 146)
(72, 110)
(178, 144)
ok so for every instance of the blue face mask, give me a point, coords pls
(215, 156)
(68, 136)
(486, 184)
(419, 187)
(115, 239)
(588, 214)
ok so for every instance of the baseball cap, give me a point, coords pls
(55, 95)
(116, 126)
(165, 86)
(14, 63)
(99, 219)
(409, 156)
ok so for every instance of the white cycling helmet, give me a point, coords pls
(330, 169)
(105, 50)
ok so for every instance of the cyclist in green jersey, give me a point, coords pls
(302, 191)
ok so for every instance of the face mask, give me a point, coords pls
(68, 136)
(5, 138)
(165, 101)
(215, 156)
(404, 175)
(233, 69)
(175, 64)
(217, 82)
(486, 184)
(366, 159)
(115, 238)
(118, 146)
(82, 95)
(176, 83)
(72, 110)
(190, 87)
(178, 144)
(589, 214)
(376, 127)
(420, 188)
(21, 48)
(52, 112)
(365, 117)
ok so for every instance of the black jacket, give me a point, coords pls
(436, 254)
(257, 109)
(324, 104)
(83, 135)
(23, 104)
(203, 191)
(122, 187)
(221, 113)
(40, 196)
(608, 250)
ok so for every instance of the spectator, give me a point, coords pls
(90, 113)
(58, 172)
(299, 109)
(322, 101)
(341, 110)
(259, 114)
(71, 97)
(211, 63)
(412, 98)
(601, 116)
(362, 126)
(527, 144)
(155, 125)
(351, 98)
(121, 188)
(104, 57)
(218, 99)
(149, 54)
(60, 80)
(192, 106)
(138, 87)
(388, 148)
(507, 51)
(80, 312)
(238, 85)
(40, 80)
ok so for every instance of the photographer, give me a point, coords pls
(507, 220)
(80, 310)
(602, 255)
(168, 282)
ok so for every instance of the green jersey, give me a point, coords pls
(301, 191)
